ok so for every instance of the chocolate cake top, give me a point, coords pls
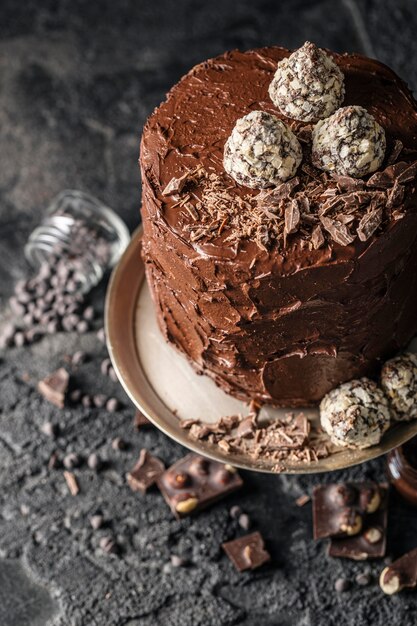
(314, 216)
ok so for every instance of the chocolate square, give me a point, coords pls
(339, 509)
(194, 482)
(145, 473)
(247, 552)
(370, 543)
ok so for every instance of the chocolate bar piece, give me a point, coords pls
(400, 574)
(370, 543)
(145, 473)
(141, 420)
(339, 509)
(54, 387)
(195, 482)
(247, 552)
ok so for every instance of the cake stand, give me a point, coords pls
(164, 387)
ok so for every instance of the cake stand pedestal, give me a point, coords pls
(163, 385)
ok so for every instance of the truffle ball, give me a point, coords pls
(355, 414)
(399, 381)
(308, 85)
(349, 143)
(261, 151)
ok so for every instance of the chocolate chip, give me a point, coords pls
(113, 375)
(105, 366)
(118, 444)
(96, 521)
(363, 579)
(108, 545)
(235, 512)
(75, 395)
(112, 405)
(88, 313)
(94, 462)
(19, 339)
(71, 461)
(99, 400)
(86, 401)
(342, 584)
(244, 521)
(177, 561)
(49, 429)
(101, 335)
(54, 461)
(82, 327)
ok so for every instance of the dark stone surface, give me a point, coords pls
(77, 82)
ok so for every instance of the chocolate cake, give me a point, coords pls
(282, 293)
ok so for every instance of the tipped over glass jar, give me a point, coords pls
(80, 230)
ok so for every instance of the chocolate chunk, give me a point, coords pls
(246, 428)
(207, 482)
(402, 172)
(338, 232)
(370, 543)
(141, 420)
(54, 387)
(369, 223)
(317, 237)
(291, 217)
(395, 195)
(400, 574)
(145, 473)
(175, 185)
(247, 552)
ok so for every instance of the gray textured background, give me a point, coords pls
(77, 80)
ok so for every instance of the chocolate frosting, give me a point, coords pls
(281, 325)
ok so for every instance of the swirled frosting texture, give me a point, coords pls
(280, 324)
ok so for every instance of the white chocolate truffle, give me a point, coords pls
(349, 143)
(261, 151)
(399, 381)
(355, 414)
(308, 85)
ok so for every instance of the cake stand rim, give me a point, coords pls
(120, 315)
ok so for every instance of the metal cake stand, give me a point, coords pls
(163, 385)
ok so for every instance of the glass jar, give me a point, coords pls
(83, 231)
(402, 470)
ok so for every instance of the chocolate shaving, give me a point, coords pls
(396, 151)
(347, 183)
(369, 223)
(401, 171)
(395, 195)
(338, 232)
(317, 237)
(292, 218)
